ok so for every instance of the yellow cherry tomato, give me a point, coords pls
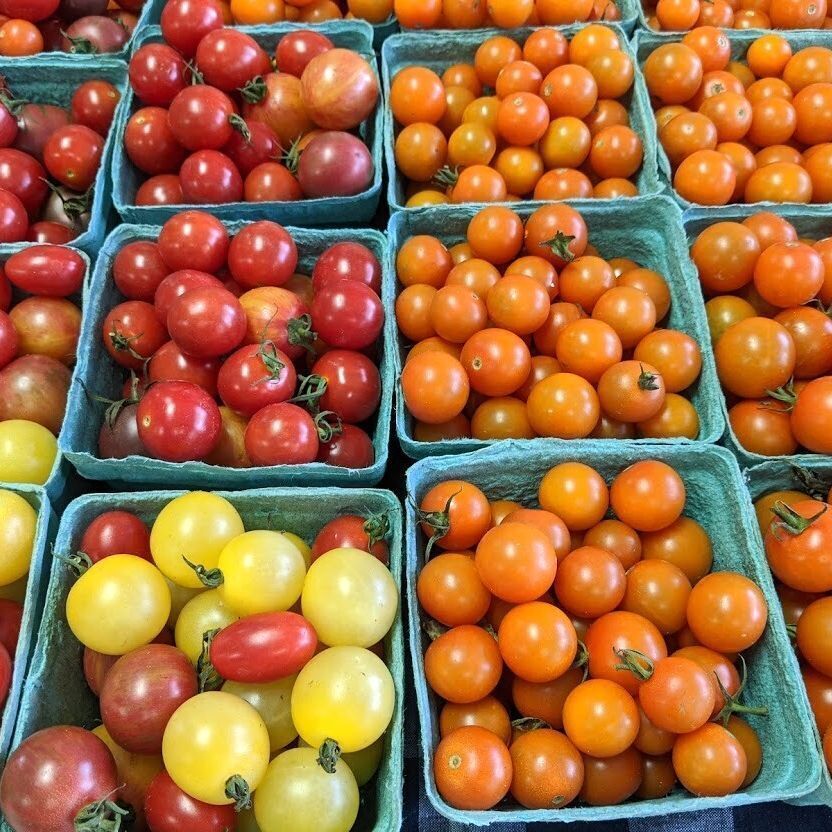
(27, 452)
(350, 598)
(135, 771)
(294, 783)
(17, 536)
(15, 591)
(120, 603)
(194, 527)
(363, 764)
(262, 571)
(207, 611)
(179, 596)
(216, 748)
(303, 547)
(346, 694)
(273, 701)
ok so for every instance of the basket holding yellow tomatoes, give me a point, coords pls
(236, 671)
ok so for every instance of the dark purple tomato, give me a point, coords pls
(271, 182)
(186, 22)
(353, 386)
(228, 59)
(36, 123)
(50, 233)
(132, 333)
(262, 254)
(255, 376)
(8, 342)
(5, 292)
(297, 49)
(52, 33)
(200, 118)
(141, 693)
(168, 809)
(73, 9)
(150, 143)
(178, 421)
(251, 146)
(194, 240)
(351, 448)
(8, 127)
(177, 284)
(14, 222)
(72, 156)
(5, 674)
(209, 177)
(138, 269)
(52, 775)
(11, 615)
(25, 177)
(162, 189)
(116, 533)
(335, 164)
(120, 438)
(35, 388)
(95, 33)
(157, 73)
(351, 261)
(169, 363)
(31, 10)
(263, 647)
(347, 314)
(96, 667)
(281, 434)
(207, 322)
(54, 271)
(94, 105)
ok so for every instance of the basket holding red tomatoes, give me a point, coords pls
(556, 125)
(797, 531)
(243, 132)
(209, 316)
(680, 15)
(266, 693)
(769, 292)
(610, 638)
(525, 330)
(504, 14)
(756, 130)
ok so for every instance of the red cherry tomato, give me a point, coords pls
(186, 22)
(138, 269)
(207, 322)
(116, 533)
(351, 447)
(351, 531)
(72, 155)
(297, 49)
(169, 363)
(177, 284)
(52, 271)
(353, 384)
(209, 177)
(281, 434)
(132, 333)
(11, 614)
(94, 105)
(347, 314)
(255, 376)
(200, 117)
(262, 254)
(194, 240)
(168, 809)
(157, 73)
(228, 59)
(351, 261)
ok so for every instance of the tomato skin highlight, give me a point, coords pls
(263, 647)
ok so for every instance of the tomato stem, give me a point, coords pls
(433, 629)
(196, 75)
(328, 425)
(254, 91)
(310, 391)
(78, 562)
(74, 206)
(104, 815)
(582, 659)
(791, 631)
(790, 521)
(528, 723)
(732, 702)
(447, 177)
(212, 578)
(291, 159)
(439, 521)
(239, 124)
(299, 332)
(328, 755)
(559, 244)
(647, 380)
(13, 105)
(237, 789)
(785, 394)
(637, 663)
(377, 528)
(80, 46)
(207, 675)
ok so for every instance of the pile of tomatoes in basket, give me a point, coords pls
(758, 131)
(616, 643)
(771, 331)
(203, 693)
(522, 332)
(81, 26)
(737, 14)
(797, 531)
(18, 521)
(49, 158)
(217, 125)
(505, 14)
(210, 316)
(40, 323)
(257, 12)
(554, 127)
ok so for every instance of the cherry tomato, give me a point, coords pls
(282, 434)
(116, 533)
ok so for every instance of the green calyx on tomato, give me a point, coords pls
(211, 578)
(439, 521)
(732, 704)
(328, 755)
(559, 244)
(790, 521)
(104, 816)
(238, 790)
(637, 663)
(78, 562)
(207, 676)
(377, 528)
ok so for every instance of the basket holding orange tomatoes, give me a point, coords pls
(525, 330)
(544, 119)
(676, 15)
(771, 331)
(757, 130)
(617, 643)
